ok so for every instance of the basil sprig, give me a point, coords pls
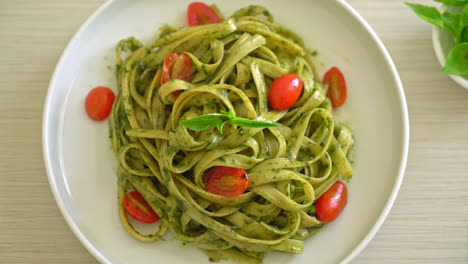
(454, 22)
(218, 120)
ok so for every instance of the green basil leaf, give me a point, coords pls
(230, 114)
(220, 125)
(453, 2)
(428, 13)
(452, 24)
(203, 122)
(464, 16)
(251, 123)
(457, 60)
(464, 35)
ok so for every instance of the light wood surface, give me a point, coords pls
(428, 223)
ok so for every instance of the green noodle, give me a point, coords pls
(289, 166)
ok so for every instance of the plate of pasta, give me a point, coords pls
(231, 132)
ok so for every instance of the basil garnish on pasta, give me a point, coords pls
(208, 121)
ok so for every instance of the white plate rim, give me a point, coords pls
(101, 258)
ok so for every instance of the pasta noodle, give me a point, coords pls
(289, 166)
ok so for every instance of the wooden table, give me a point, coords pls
(428, 223)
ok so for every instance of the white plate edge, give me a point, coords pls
(406, 132)
(45, 141)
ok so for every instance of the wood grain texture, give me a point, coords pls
(428, 223)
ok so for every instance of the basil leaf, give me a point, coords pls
(464, 35)
(453, 2)
(452, 24)
(428, 13)
(251, 123)
(220, 125)
(203, 122)
(230, 115)
(457, 60)
(464, 25)
(464, 16)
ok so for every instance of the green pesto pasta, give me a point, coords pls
(289, 166)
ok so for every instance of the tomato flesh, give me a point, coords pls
(176, 66)
(284, 91)
(201, 14)
(332, 202)
(99, 102)
(226, 181)
(337, 86)
(136, 206)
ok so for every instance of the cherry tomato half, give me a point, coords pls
(200, 14)
(99, 102)
(226, 181)
(332, 202)
(176, 66)
(136, 206)
(337, 89)
(284, 91)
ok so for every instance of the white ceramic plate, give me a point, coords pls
(80, 164)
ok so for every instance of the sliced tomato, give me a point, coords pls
(337, 86)
(199, 13)
(332, 202)
(136, 206)
(176, 66)
(226, 181)
(99, 102)
(284, 91)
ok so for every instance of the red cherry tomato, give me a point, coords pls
(176, 66)
(200, 14)
(284, 91)
(99, 102)
(332, 202)
(138, 208)
(226, 181)
(337, 89)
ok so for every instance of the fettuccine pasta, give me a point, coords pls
(234, 62)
